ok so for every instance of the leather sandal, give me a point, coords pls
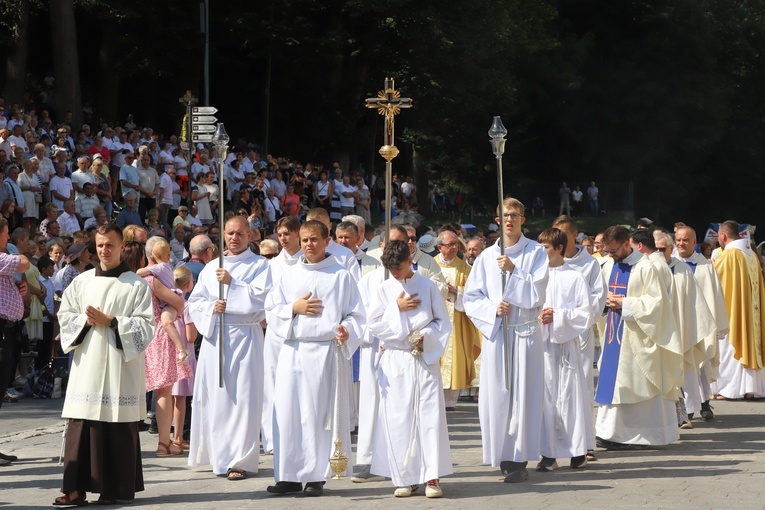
(66, 501)
(182, 444)
(165, 450)
(234, 474)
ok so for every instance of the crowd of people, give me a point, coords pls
(330, 326)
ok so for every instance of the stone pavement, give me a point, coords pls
(718, 465)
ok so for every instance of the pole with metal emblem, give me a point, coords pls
(497, 132)
(220, 140)
(388, 103)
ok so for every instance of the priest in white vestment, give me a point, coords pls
(742, 350)
(412, 441)
(316, 308)
(107, 321)
(225, 422)
(566, 315)
(693, 320)
(641, 367)
(511, 419)
(706, 353)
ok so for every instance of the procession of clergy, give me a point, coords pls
(415, 325)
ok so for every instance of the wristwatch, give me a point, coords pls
(113, 324)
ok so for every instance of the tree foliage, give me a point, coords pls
(665, 93)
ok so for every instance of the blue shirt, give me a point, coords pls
(127, 217)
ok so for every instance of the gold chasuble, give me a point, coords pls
(464, 345)
(741, 280)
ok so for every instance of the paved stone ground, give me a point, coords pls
(718, 465)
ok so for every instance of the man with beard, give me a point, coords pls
(636, 408)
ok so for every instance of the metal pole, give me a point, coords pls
(221, 140)
(207, 52)
(221, 220)
(497, 133)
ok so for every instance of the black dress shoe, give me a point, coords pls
(285, 487)
(314, 489)
(9, 458)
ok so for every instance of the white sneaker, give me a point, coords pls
(433, 490)
(13, 393)
(406, 491)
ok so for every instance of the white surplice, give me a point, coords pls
(412, 440)
(510, 427)
(694, 322)
(224, 431)
(707, 353)
(589, 268)
(369, 389)
(107, 382)
(280, 264)
(306, 373)
(567, 400)
(346, 258)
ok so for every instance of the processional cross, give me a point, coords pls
(388, 103)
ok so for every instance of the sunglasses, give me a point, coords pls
(269, 255)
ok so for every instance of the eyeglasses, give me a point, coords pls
(512, 216)
(269, 255)
(449, 245)
(611, 252)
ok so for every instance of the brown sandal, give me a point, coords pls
(165, 450)
(234, 474)
(66, 501)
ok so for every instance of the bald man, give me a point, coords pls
(222, 431)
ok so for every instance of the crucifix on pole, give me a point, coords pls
(388, 103)
(189, 100)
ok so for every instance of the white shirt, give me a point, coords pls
(166, 190)
(62, 185)
(345, 201)
(68, 223)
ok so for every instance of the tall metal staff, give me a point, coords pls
(220, 140)
(497, 132)
(388, 103)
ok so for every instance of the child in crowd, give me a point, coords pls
(184, 281)
(409, 317)
(47, 267)
(162, 270)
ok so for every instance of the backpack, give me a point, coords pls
(43, 387)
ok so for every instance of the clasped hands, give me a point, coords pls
(95, 317)
(614, 301)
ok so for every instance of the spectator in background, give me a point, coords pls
(576, 197)
(592, 196)
(129, 215)
(537, 205)
(11, 311)
(103, 188)
(565, 198)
